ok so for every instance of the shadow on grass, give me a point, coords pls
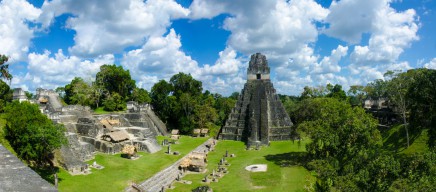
(47, 173)
(288, 159)
(394, 139)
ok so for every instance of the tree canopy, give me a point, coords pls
(32, 135)
(114, 79)
(4, 68)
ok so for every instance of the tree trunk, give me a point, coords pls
(405, 127)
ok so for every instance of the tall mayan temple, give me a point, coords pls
(259, 115)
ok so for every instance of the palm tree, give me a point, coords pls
(4, 68)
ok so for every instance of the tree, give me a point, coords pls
(4, 71)
(336, 92)
(78, 92)
(115, 79)
(345, 147)
(422, 97)
(376, 89)
(32, 135)
(205, 113)
(234, 95)
(29, 95)
(5, 95)
(140, 95)
(114, 102)
(337, 129)
(184, 83)
(357, 95)
(224, 106)
(160, 93)
(397, 89)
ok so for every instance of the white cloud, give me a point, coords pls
(431, 64)
(349, 19)
(227, 63)
(275, 28)
(330, 64)
(282, 30)
(392, 33)
(15, 32)
(103, 27)
(47, 71)
(159, 57)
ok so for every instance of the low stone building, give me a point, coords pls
(19, 95)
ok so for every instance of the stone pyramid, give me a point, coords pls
(259, 115)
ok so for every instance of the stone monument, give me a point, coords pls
(258, 116)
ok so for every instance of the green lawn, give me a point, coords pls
(419, 145)
(119, 172)
(279, 177)
(394, 139)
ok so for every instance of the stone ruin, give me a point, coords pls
(258, 116)
(109, 133)
(87, 133)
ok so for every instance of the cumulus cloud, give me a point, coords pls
(330, 64)
(103, 27)
(276, 28)
(228, 63)
(15, 32)
(282, 30)
(431, 64)
(349, 19)
(50, 71)
(390, 33)
(159, 57)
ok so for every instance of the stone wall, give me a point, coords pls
(16, 176)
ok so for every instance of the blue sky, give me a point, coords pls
(307, 42)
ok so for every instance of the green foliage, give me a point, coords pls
(114, 79)
(114, 102)
(223, 106)
(140, 95)
(338, 130)
(32, 135)
(78, 92)
(418, 174)
(357, 94)
(160, 99)
(4, 68)
(337, 92)
(205, 112)
(29, 95)
(182, 106)
(377, 89)
(422, 97)
(3, 139)
(184, 83)
(5, 95)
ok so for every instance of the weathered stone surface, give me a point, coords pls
(16, 176)
(259, 115)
